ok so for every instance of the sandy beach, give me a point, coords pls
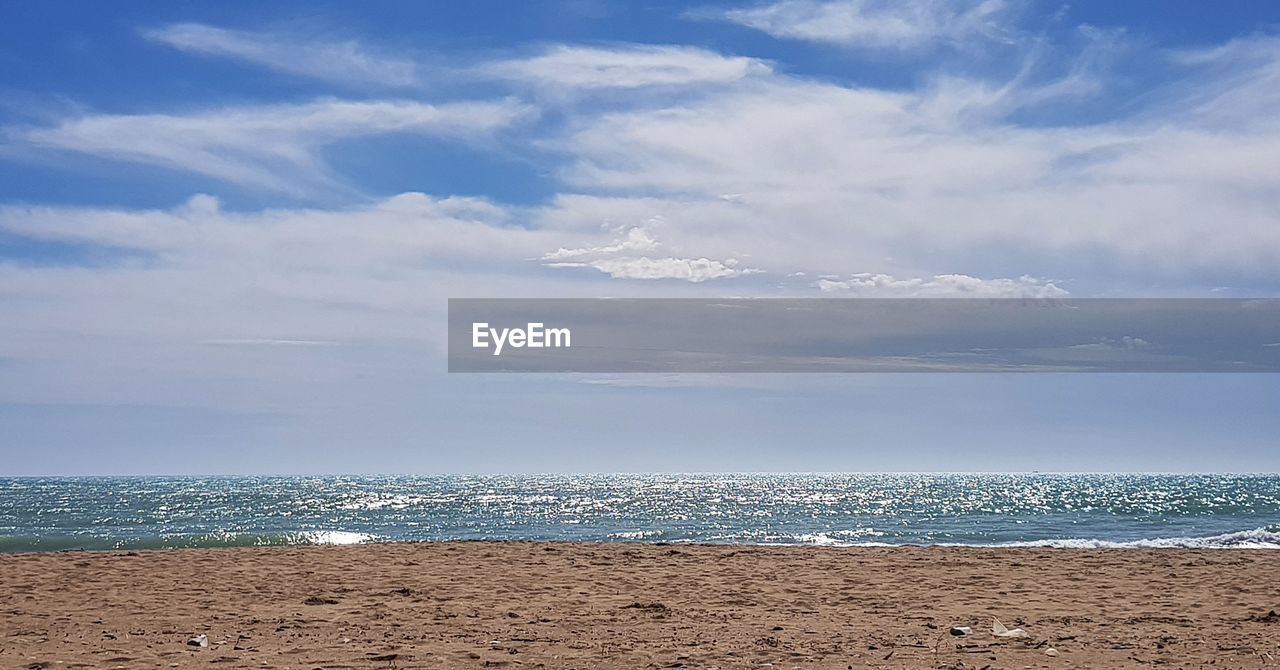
(539, 605)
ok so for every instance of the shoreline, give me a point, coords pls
(1043, 545)
(484, 603)
(1262, 538)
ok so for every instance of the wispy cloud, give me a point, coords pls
(271, 147)
(623, 67)
(875, 24)
(925, 181)
(562, 66)
(347, 62)
(942, 181)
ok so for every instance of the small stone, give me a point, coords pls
(960, 631)
(1050, 652)
(198, 641)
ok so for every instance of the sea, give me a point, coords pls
(1220, 511)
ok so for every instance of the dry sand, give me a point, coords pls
(471, 605)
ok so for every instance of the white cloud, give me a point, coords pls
(796, 175)
(688, 269)
(219, 308)
(251, 310)
(959, 286)
(617, 259)
(636, 239)
(271, 147)
(624, 67)
(1125, 343)
(835, 176)
(877, 24)
(1235, 85)
(1255, 49)
(346, 62)
(410, 232)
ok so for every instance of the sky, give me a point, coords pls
(228, 231)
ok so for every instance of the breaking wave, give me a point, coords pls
(15, 543)
(1258, 538)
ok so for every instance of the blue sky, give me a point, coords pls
(228, 230)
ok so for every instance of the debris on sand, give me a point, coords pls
(999, 630)
(652, 607)
(1269, 617)
(961, 631)
(198, 641)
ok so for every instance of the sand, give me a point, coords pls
(538, 605)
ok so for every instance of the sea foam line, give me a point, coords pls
(1258, 538)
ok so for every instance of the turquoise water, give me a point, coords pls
(1229, 511)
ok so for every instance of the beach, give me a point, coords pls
(621, 605)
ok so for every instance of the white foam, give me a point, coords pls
(336, 537)
(634, 534)
(817, 540)
(1258, 538)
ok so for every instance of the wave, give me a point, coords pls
(632, 535)
(1258, 538)
(16, 543)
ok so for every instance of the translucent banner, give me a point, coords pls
(864, 335)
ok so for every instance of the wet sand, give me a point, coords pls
(539, 605)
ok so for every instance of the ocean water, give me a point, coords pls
(1087, 510)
